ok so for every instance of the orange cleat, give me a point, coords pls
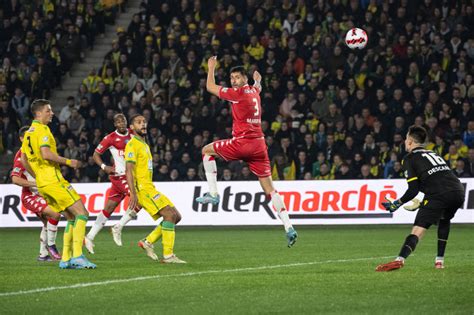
(393, 265)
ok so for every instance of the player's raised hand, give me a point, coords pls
(212, 62)
(75, 164)
(257, 77)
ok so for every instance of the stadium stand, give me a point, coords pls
(329, 112)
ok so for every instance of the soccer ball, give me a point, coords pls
(356, 38)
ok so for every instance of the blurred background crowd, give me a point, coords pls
(328, 112)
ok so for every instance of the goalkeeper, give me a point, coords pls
(427, 172)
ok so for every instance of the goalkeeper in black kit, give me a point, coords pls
(427, 172)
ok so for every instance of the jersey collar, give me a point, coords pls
(141, 140)
(121, 135)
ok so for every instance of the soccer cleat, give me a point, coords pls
(208, 198)
(439, 264)
(291, 236)
(65, 265)
(393, 265)
(53, 252)
(89, 245)
(82, 262)
(116, 234)
(44, 258)
(173, 259)
(150, 252)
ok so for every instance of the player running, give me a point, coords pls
(40, 158)
(139, 172)
(427, 172)
(33, 202)
(115, 142)
(247, 143)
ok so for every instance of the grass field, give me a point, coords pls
(246, 270)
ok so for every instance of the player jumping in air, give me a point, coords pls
(427, 172)
(40, 158)
(139, 172)
(33, 202)
(115, 142)
(247, 144)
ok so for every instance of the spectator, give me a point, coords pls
(75, 123)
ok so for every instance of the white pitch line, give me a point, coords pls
(185, 274)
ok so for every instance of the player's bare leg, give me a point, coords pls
(210, 168)
(99, 223)
(81, 215)
(443, 234)
(408, 247)
(52, 218)
(279, 205)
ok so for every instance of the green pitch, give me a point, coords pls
(245, 270)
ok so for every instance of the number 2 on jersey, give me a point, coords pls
(257, 110)
(434, 159)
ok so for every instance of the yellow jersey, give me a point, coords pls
(138, 152)
(38, 136)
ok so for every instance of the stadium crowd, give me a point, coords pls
(328, 112)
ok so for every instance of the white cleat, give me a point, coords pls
(89, 245)
(173, 259)
(117, 234)
(150, 252)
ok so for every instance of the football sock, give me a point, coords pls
(78, 233)
(43, 242)
(67, 241)
(409, 246)
(52, 227)
(155, 234)
(211, 173)
(98, 224)
(279, 205)
(443, 234)
(129, 215)
(168, 238)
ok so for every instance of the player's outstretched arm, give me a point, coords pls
(26, 164)
(257, 77)
(129, 167)
(17, 180)
(211, 85)
(49, 155)
(98, 160)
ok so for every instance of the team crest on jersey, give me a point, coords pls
(130, 154)
(45, 139)
(224, 90)
(31, 129)
(126, 141)
(156, 197)
(16, 170)
(99, 146)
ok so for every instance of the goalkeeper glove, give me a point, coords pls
(414, 206)
(391, 205)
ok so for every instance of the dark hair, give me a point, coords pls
(22, 130)
(38, 105)
(239, 69)
(133, 117)
(120, 115)
(418, 134)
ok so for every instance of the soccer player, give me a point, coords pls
(33, 202)
(139, 172)
(427, 172)
(39, 156)
(115, 142)
(247, 144)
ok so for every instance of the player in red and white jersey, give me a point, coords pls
(32, 201)
(247, 143)
(115, 142)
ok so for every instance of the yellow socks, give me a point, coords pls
(67, 241)
(168, 238)
(79, 233)
(155, 234)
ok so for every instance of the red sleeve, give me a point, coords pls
(103, 145)
(18, 167)
(230, 94)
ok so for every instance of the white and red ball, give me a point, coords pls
(356, 38)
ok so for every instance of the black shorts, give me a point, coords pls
(435, 208)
